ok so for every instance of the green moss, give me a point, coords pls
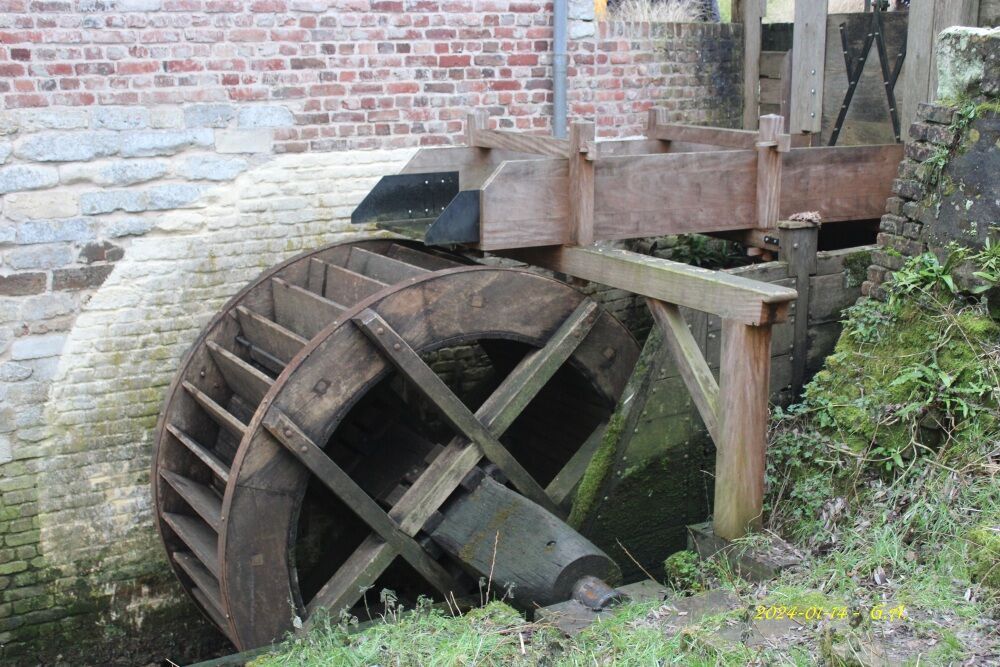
(597, 472)
(856, 265)
(684, 571)
(984, 554)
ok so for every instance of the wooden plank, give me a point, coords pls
(915, 79)
(743, 413)
(241, 377)
(349, 287)
(771, 93)
(206, 604)
(842, 183)
(384, 269)
(581, 183)
(474, 165)
(520, 142)
(691, 364)
(199, 497)
(769, 171)
(202, 579)
(302, 311)
(425, 260)
(199, 538)
(799, 242)
(269, 336)
(808, 62)
(219, 414)
(772, 64)
(785, 106)
(674, 193)
(714, 292)
(316, 276)
(426, 381)
(751, 14)
(695, 134)
(214, 463)
(450, 467)
(526, 203)
(348, 491)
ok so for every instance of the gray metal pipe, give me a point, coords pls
(559, 59)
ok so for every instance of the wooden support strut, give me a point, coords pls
(481, 137)
(581, 182)
(771, 144)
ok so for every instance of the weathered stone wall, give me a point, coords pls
(947, 190)
(157, 154)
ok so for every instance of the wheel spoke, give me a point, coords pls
(450, 467)
(426, 381)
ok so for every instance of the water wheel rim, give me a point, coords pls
(259, 458)
(170, 410)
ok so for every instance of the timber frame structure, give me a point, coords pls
(547, 202)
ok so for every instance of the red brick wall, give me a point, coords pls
(356, 73)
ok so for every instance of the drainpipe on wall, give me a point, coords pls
(559, 58)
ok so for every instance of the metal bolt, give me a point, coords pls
(813, 71)
(396, 346)
(288, 432)
(380, 331)
(304, 449)
(795, 246)
(813, 91)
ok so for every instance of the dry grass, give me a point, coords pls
(783, 11)
(650, 11)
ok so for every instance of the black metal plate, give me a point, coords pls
(458, 223)
(407, 197)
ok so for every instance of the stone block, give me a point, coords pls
(106, 201)
(53, 231)
(581, 10)
(47, 119)
(175, 195)
(120, 118)
(39, 256)
(130, 172)
(34, 205)
(21, 284)
(265, 116)
(212, 168)
(166, 118)
(101, 252)
(908, 189)
(965, 58)
(757, 563)
(128, 227)
(244, 141)
(11, 372)
(37, 347)
(162, 142)
(935, 113)
(66, 146)
(209, 115)
(5, 148)
(24, 177)
(81, 278)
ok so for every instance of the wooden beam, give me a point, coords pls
(433, 388)
(739, 299)
(808, 62)
(581, 182)
(691, 364)
(769, 145)
(751, 14)
(480, 137)
(743, 412)
(694, 134)
(799, 242)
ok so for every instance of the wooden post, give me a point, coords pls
(927, 20)
(477, 120)
(744, 379)
(799, 242)
(581, 182)
(769, 148)
(808, 61)
(751, 13)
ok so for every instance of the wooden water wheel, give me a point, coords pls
(341, 411)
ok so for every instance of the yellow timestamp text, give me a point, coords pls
(818, 613)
